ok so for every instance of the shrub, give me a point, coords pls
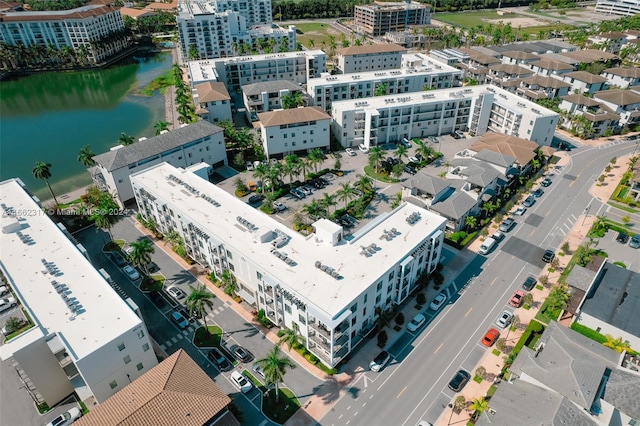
(382, 339)
(421, 299)
(400, 318)
(620, 264)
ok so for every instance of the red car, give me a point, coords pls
(490, 337)
(516, 299)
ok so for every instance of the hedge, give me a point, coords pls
(587, 332)
(534, 328)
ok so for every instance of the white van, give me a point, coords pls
(487, 245)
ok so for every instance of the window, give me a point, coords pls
(353, 320)
(139, 366)
(121, 347)
(364, 311)
(127, 359)
(259, 276)
(145, 347)
(378, 297)
(379, 287)
(389, 288)
(365, 298)
(113, 385)
(301, 319)
(229, 255)
(287, 308)
(354, 307)
(140, 334)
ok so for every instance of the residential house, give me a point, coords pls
(516, 153)
(291, 131)
(590, 56)
(542, 87)
(622, 77)
(584, 82)
(370, 57)
(596, 113)
(212, 101)
(200, 142)
(611, 42)
(625, 103)
(478, 65)
(508, 76)
(519, 57)
(450, 57)
(267, 96)
(547, 67)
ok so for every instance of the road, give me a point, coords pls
(414, 386)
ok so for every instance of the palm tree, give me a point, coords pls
(290, 337)
(160, 126)
(397, 199)
(616, 343)
(375, 157)
(275, 367)
(85, 156)
(364, 183)
(315, 157)
(103, 220)
(313, 209)
(328, 201)
(42, 171)
(141, 254)
(401, 152)
(198, 300)
(125, 139)
(424, 149)
(478, 406)
(291, 166)
(470, 222)
(345, 193)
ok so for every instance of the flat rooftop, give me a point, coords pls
(101, 315)
(315, 288)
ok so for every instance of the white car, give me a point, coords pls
(258, 370)
(7, 303)
(417, 322)
(520, 210)
(362, 147)
(3, 290)
(66, 418)
(438, 301)
(379, 361)
(278, 206)
(241, 382)
(413, 160)
(273, 161)
(504, 319)
(131, 272)
(249, 166)
(350, 152)
(176, 292)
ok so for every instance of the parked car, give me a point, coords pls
(273, 161)
(519, 211)
(516, 298)
(7, 303)
(241, 353)
(416, 322)
(379, 361)
(490, 337)
(529, 283)
(220, 360)
(117, 259)
(459, 380)
(507, 224)
(4, 290)
(258, 370)
(433, 139)
(504, 319)
(179, 319)
(66, 418)
(306, 190)
(546, 182)
(498, 236)
(538, 193)
(529, 201)
(363, 148)
(405, 142)
(176, 292)
(460, 134)
(131, 272)
(350, 152)
(413, 160)
(409, 170)
(241, 382)
(249, 166)
(255, 199)
(298, 194)
(622, 238)
(635, 241)
(487, 245)
(548, 256)
(438, 301)
(278, 206)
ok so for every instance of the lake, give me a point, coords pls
(49, 117)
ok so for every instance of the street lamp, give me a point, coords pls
(586, 213)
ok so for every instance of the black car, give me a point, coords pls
(538, 193)
(117, 259)
(459, 380)
(528, 202)
(548, 256)
(409, 170)
(546, 182)
(622, 238)
(254, 199)
(241, 353)
(219, 360)
(529, 283)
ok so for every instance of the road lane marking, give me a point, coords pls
(494, 280)
(468, 312)
(436, 351)
(402, 391)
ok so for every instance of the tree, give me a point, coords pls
(328, 201)
(275, 367)
(397, 199)
(141, 254)
(85, 156)
(160, 126)
(240, 186)
(198, 301)
(345, 193)
(126, 139)
(478, 406)
(380, 89)
(292, 100)
(291, 166)
(364, 183)
(616, 343)
(470, 222)
(313, 209)
(315, 157)
(103, 220)
(229, 282)
(289, 336)
(401, 152)
(42, 171)
(376, 154)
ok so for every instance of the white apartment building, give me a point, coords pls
(618, 7)
(379, 18)
(323, 285)
(622, 77)
(85, 338)
(477, 109)
(200, 142)
(297, 130)
(236, 72)
(417, 74)
(371, 57)
(255, 12)
(212, 101)
(75, 28)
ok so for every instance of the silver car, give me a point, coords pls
(504, 319)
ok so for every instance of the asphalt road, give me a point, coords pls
(414, 386)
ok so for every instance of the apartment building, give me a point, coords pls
(418, 73)
(618, 7)
(255, 12)
(291, 131)
(326, 287)
(85, 338)
(200, 142)
(372, 57)
(267, 96)
(622, 77)
(77, 28)
(212, 101)
(476, 109)
(236, 72)
(380, 18)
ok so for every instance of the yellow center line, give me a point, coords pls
(532, 232)
(468, 312)
(494, 280)
(401, 392)
(436, 351)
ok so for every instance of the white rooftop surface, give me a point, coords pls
(103, 316)
(314, 286)
(503, 97)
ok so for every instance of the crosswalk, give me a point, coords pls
(183, 334)
(614, 143)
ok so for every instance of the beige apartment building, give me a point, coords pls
(380, 18)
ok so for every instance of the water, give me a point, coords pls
(49, 117)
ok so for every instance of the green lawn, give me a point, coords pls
(311, 26)
(152, 283)
(281, 411)
(201, 339)
(471, 19)
(317, 32)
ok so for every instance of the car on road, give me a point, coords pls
(176, 292)
(117, 259)
(409, 169)
(413, 160)
(220, 360)
(416, 322)
(350, 152)
(490, 337)
(546, 182)
(66, 418)
(249, 166)
(519, 211)
(241, 353)
(179, 319)
(438, 301)
(363, 148)
(529, 283)
(459, 380)
(7, 303)
(548, 256)
(507, 224)
(255, 199)
(4, 290)
(131, 272)
(487, 245)
(405, 142)
(635, 241)
(379, 361)
(516, 298)
(278, 206)
(538, 193)
(258, 370)
(622, 238)
(241, 382)
(529, 201)
(504, 319)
